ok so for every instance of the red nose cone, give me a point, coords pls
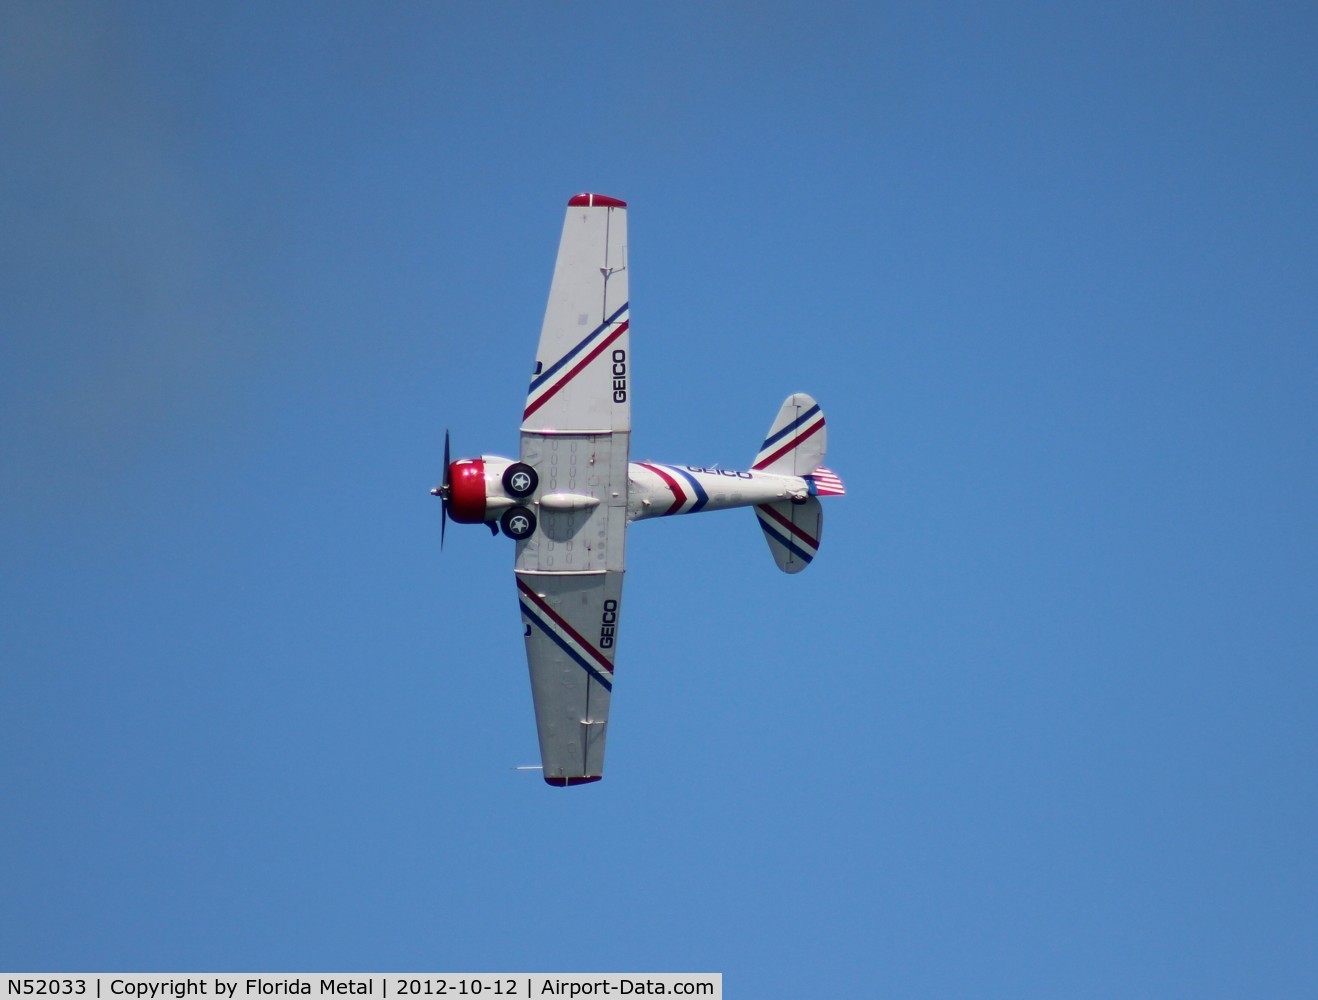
(466, 499)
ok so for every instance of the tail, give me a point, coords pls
(797, 440)
(795, 446)
(792, 531)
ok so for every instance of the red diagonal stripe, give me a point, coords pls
(790, 526)
(558, 620)
(532, 407)
(790, 444)
(672, 485)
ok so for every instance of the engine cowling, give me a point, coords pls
(466, 498)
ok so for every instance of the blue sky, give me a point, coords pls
(1040, 719)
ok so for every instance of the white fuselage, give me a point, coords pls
(656, 490)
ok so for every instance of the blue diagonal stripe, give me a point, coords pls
(702, 497)
(775, 438)
(786, 542)
(557, 366)
(544, 627)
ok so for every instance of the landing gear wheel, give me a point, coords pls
(520, 480)
(518, 522)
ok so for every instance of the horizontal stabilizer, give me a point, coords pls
(797, 439)
(793, 531)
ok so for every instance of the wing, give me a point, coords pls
(570, 622)
(575, 433)
(581, 380)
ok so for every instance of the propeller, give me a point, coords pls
(442, 491)
(445, 492)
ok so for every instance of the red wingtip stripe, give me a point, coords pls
(587, 200)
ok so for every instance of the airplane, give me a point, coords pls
(568, 498)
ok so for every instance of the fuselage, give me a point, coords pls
(653, 490)
(656, 490)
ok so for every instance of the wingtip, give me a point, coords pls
(588, 200)
(564, 782)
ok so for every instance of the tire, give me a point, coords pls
(520, 480)
(518, 522)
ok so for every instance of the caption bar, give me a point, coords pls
(390, 986)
